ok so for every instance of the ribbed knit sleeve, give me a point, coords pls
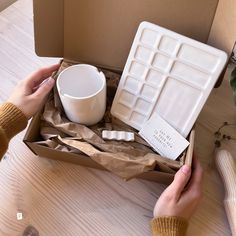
(169, 226)
(12, 121)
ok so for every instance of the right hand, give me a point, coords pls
(178, 201)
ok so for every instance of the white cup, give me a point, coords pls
(82, 90)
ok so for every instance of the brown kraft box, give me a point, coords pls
(101, 33)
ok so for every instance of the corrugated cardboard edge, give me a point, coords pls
(189, 154)
(32, 132)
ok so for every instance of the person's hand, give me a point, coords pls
(30, 93)
(177, 200)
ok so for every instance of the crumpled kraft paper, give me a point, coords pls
(126, 159)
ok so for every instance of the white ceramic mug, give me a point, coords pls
(82, 90)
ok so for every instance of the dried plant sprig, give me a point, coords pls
(219, 136)
(233, 84)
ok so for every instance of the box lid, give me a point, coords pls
(101, 32)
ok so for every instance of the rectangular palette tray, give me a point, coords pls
(168, 74)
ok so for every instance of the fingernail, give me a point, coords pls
(50, 81)
(185, 169)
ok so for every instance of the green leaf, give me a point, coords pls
(233, 83)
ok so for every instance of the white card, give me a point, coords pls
(163, 137)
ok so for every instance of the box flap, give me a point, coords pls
(101, 32)
(48, 27)
(223, 31)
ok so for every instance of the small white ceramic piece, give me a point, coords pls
(168, 74)
(19, 216)
(82, 90)
(118, 135)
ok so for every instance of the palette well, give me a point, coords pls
(168, 74)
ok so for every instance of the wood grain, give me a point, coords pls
(64, 199)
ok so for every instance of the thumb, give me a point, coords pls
(180, 180)
(44, 88)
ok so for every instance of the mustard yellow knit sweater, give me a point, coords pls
(12, 121)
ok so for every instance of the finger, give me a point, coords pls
(193, 194)
(197, 176)
(39, 76)
(180, 181)
(44, 89)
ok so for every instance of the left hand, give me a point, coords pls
(30, 93)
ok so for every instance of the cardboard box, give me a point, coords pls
(101, 33)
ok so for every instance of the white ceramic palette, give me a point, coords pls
(168, 74)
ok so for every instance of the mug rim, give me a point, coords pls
(83, 97)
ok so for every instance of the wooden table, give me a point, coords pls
(58, 198)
